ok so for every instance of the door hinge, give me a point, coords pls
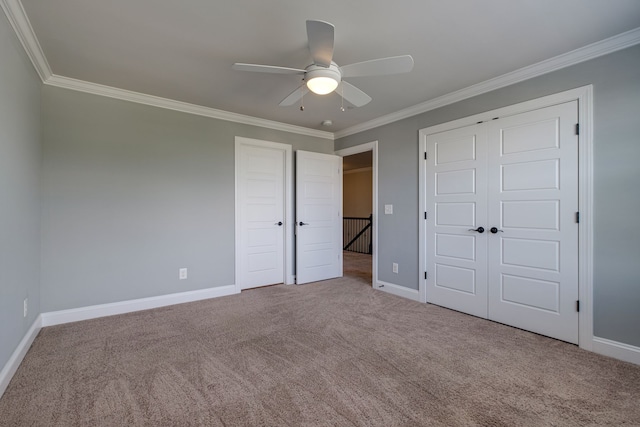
(577, 128)
(425, 215)
(425, 275)
(425, 155)
(577, 217)
(578, 306)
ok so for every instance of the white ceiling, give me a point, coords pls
(183, 50)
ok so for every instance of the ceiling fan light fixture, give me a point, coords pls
(322, 85)
(321, 80)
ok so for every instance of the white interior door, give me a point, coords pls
(260, 204)
(456, 196)
(533, 200)
(318, 216)
(517, 178)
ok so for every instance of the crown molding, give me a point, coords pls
(155, 101)
(22, 27)
(18, 19)
(594, 50)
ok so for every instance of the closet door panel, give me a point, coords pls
(456, 193)
(532, 202)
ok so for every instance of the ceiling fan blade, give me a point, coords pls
(320, 36)
(294, 96)
(379, 67)
(256, 68)
(352, 94)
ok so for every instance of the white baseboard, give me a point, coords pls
(397, 290)
(14, 361)
(617, 350)
(102, 310)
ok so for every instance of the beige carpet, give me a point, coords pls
(334, 353)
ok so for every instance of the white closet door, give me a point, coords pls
(456, 197)
(533, 199)
(318, 216)
(517, 178)
(260, 202)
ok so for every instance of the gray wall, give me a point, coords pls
(20, 161)
(132, 193)
(616, 80)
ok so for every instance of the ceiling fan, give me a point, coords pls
(324, 76)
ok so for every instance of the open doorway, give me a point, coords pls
(357, 193)
(359, 212)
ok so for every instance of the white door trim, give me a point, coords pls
(584, 96)
(373, 147)
(288, 209)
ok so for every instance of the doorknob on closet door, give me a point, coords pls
(302, 223)
(494, 230)
(279, 223)
(479, 229)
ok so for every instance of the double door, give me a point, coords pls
(502, 236)
(267, 235)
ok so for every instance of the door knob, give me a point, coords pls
(494, 230)
(279, 223)
(479, 230)
(302, 223)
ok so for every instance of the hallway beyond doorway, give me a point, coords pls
(357, 266)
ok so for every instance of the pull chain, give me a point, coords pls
(301, 98)
(341, 97)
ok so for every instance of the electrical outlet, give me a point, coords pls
(182, 273)
(25, 306)
(388, 209)
(395, 267)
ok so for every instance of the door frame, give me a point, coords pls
(362, 148)
(288, 205)
(584, 96)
